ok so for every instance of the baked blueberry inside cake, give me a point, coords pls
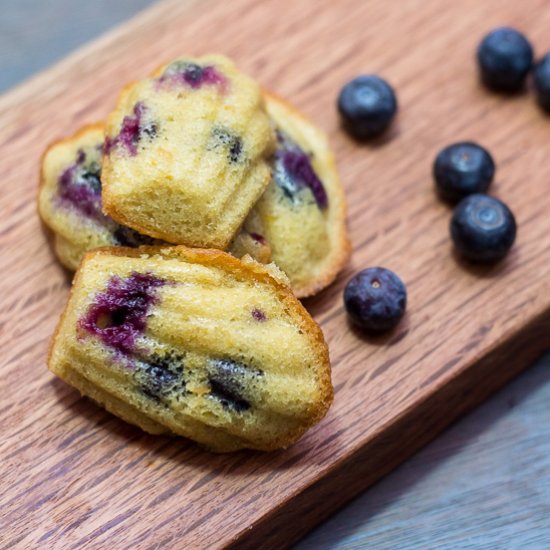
(293, 172)
(117, 316)
(135, 128)
(79, 185)
(191, 74)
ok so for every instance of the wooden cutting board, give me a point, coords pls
(74, 476)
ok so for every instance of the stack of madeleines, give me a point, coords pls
(195, 217)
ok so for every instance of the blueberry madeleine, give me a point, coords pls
(69, 198)
(303, 210)
(193, 342)
(186, 152)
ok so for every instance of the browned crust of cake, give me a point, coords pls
(251, 271)
(341, 245)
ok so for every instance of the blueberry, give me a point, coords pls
(462, 169)
(367, 105)
(184, 73)
(235, 150)
(133, 129)
(227, 381)
(504, 57)
(258, 315)
(79, 186)
(91, 176)
(228, 396)
(292, 171)
(375, 298)
(160, 374)
(193, 74)
(483, 228)
(149, 130)
(542, 82)
(222, 137)
(159, 379)
(118, 315)
(124, 236)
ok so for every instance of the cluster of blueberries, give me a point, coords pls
(483, 228)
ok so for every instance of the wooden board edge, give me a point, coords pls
(288, 523)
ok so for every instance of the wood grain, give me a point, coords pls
(74, 476)
(483, 484)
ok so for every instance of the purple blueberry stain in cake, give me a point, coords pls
(118, 315)
(227, 380)
(258, 315)
(258, 238)
(79, 186)
(293, 171)
(227, 140)
(298, 165)
(132, 131)
(192, 75)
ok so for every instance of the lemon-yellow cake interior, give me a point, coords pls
(194, 342)
(186, 152)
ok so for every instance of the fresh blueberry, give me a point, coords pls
(462, 169)
(504, 57)
(483, 228)
(375, 299)
(542, 82)
(367, 105)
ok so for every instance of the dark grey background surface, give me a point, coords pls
(483, 484)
